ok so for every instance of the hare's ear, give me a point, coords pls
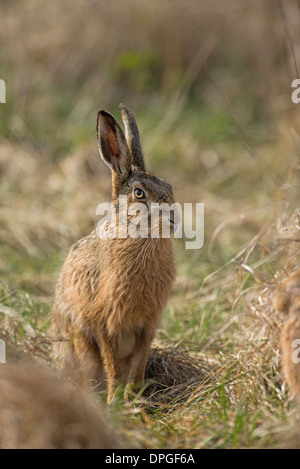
(113, 147)
(132, 138)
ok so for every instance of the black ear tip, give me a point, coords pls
(102, 113)
(105, 118)
(99, 115)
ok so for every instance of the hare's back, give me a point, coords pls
(80, 275)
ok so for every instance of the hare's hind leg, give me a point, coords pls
(139, 361)
(80, 358)
(87, 361)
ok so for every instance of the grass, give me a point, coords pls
(216, 120)
(219, 313)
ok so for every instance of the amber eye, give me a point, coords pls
(139, 193)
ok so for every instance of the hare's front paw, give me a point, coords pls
(133, 390)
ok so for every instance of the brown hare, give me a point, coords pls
(39, 411)
(286, 299)
(111, 292)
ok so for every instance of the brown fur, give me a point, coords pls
(286, 299)
(111, 292)
(38, 411)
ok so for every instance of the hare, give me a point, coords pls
(286, 299)
(39, 411)
(111, 292)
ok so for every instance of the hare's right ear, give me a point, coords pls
(113, 148)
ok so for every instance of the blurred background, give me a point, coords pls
(210, 85)
(211, 90)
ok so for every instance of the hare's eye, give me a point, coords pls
(139, 193)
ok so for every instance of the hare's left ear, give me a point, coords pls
(132, 138)
(113, 148)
